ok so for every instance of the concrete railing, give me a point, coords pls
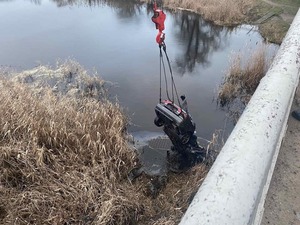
(235, 188)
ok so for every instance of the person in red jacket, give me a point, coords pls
(159, 18)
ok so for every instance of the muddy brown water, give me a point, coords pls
(117, 38)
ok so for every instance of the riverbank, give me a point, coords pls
(273, 18)
(65, 155)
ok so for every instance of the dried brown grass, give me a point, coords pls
(242, 79)
(168, 207)
(64, 159)
(224, 12)
(67, 77)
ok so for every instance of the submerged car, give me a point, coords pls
(178, 124)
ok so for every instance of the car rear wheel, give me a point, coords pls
(158, 122)
(185, 138)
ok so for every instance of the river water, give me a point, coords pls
(117, 38)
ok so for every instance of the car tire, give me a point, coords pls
(158, 122)
(185, 138)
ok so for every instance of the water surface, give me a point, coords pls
(118, 40)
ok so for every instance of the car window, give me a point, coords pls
(173, 108)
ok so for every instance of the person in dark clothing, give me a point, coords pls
(296, 114)
(184, 103)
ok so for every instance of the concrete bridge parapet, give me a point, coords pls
(235, 188)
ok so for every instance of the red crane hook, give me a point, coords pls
(159, 18)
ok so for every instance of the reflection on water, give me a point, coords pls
(127, 8)
(117, 38)
(200, 38)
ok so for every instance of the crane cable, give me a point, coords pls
(158, 18)
(173, 85)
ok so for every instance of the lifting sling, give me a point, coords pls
(159, 18)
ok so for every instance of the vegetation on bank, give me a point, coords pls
(272, 17)
(224, 12)
(65, 158)
(242, 78)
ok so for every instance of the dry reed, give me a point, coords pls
(225, 12)
(64, 159)
(173, 198)
(242, 79)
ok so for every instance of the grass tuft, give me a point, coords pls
(242, 79)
